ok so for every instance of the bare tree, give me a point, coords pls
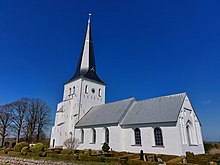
(20, 107)
(43, 119)
(31, 119)
(36, 119)
(71, 143)
(5, 121)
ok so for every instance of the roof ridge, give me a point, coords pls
(131, 98)
(172, 95)
(133, 101)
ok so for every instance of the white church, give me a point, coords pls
(162, 125)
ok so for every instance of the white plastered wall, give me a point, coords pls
(76, 102)
(122, 139)
(192, 141)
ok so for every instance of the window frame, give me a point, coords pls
(93, 134)
(107, 135)
(74, 89)
(86, 89)
(100, 93)
(137, 136)
(158, 137)
(82, 136)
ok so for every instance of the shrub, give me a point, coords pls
(105, 147)
(19, 146)
(24, 150)
(190, 155)
(39, 147)
(58, 150)
(89, 152)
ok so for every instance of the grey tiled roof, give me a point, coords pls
(130, 112)
(111, 113)
(156, 110)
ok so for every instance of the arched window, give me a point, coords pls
(189, 132)
(70, 91)
(158, 137)
(107, 135)
(82, 135)
(93, 138)
(100, 94)
(137, 136)
(86, 89)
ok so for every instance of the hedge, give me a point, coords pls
(68, 157)
(66, 151)
(52, 155)
(123, 161)
(180, 164)
(130, 156)
(166, 158)
(175, 160)
(111, 159)
(199, 161)
(140, 162)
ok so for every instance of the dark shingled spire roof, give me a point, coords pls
(86, 65)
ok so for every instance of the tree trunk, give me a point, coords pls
(18, 136)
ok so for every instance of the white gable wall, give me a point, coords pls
(191, 140)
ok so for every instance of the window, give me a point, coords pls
(93, 90)
(137, 136)
(82, 136)
(53, 143)
(189, 132)
(93, 138)
(70, 91)
(74, 90)
(107, 135)
(158, 137)
(86, 89)
(100, 93)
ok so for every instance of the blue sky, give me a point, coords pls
(143, 49)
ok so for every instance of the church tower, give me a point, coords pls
(84, 90)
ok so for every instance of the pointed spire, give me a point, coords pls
(86, 64)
